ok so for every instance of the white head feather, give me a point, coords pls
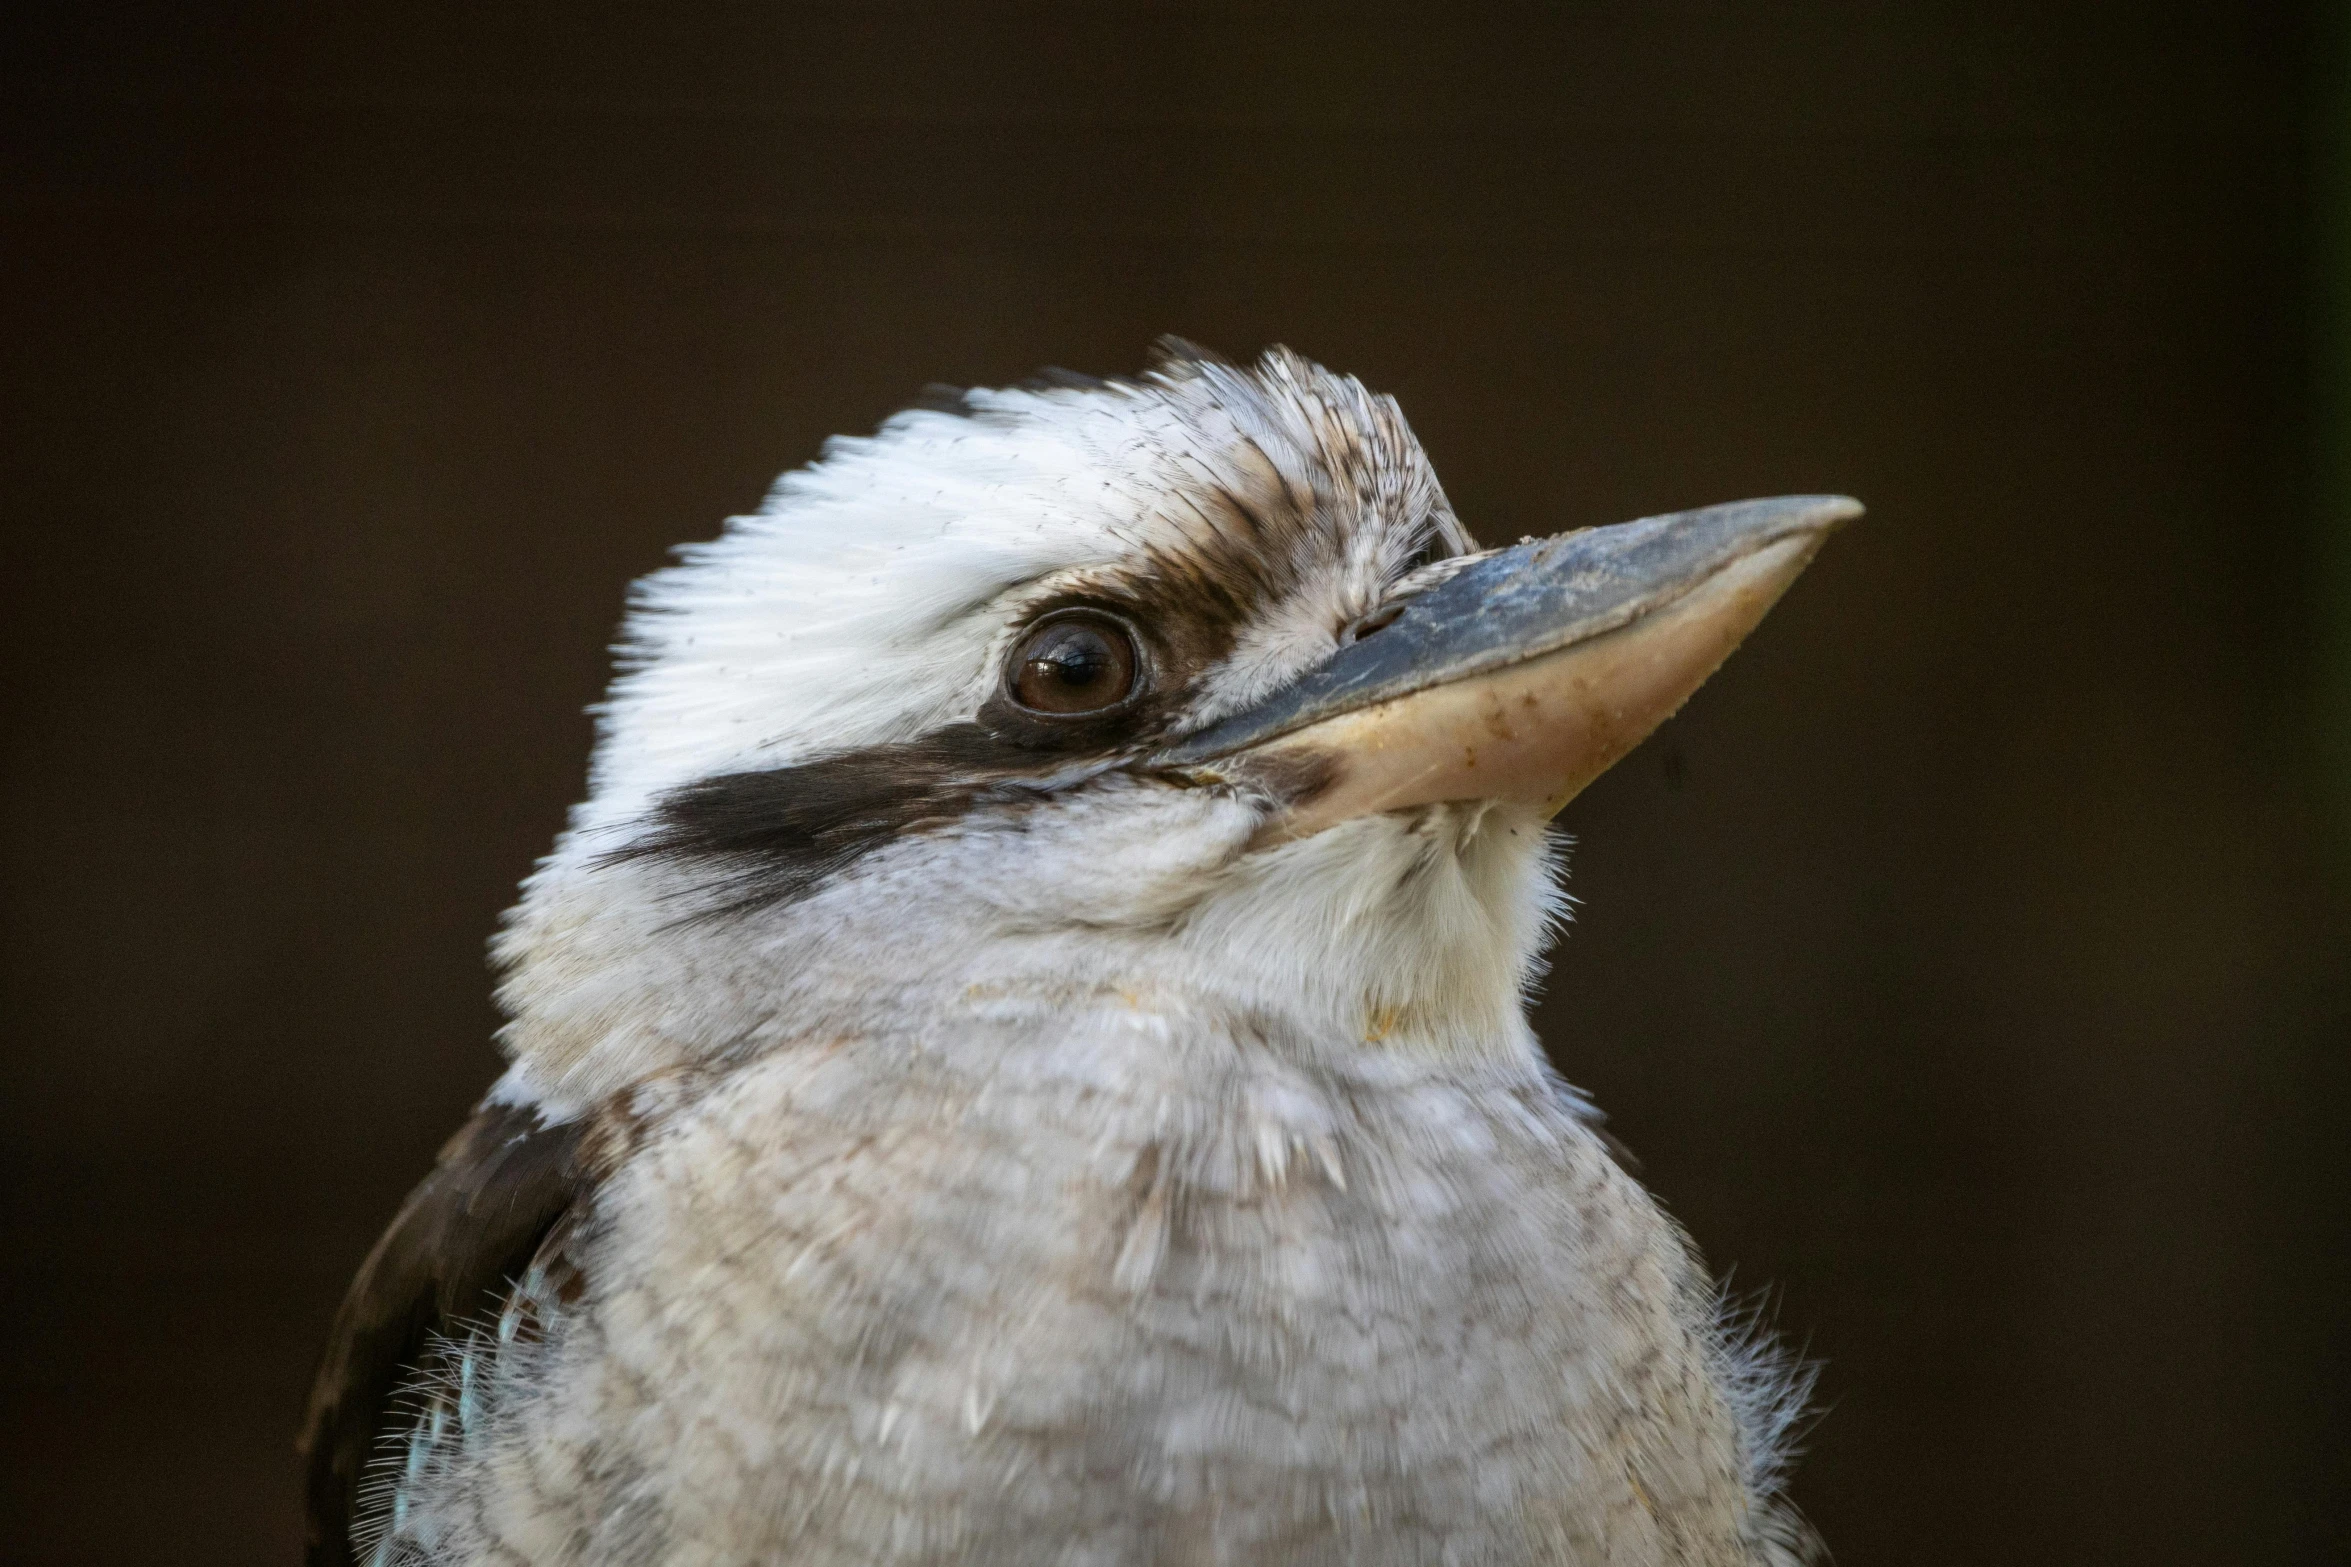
(872, 600)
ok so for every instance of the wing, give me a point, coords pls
(470, 1229)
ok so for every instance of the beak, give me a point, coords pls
(1525, 675)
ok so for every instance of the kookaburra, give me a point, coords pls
(1021, 1057)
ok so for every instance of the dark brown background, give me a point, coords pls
(1966, 963)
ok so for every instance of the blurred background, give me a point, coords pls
(1970, 964)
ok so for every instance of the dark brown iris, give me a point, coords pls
(1075, 663)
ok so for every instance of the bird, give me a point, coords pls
(1022, 1054)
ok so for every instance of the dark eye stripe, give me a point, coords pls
(777, 834)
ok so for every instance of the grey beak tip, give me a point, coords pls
(1773, 514)
(1830, 512)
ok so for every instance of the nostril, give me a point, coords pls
(1364, 625)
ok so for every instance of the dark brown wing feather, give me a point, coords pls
(470, 1228)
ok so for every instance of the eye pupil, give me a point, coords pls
(1077, 661)
(1075, 664)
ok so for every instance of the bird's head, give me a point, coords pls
(1189, 691)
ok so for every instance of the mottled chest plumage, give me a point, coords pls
(1299, 1317)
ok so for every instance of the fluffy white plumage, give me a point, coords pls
(1073, 1179)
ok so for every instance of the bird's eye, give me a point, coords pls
(1073, 664)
